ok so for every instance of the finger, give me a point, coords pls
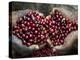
(49, 42)
(34, 47)
(14, 18)
(48, 17)
(18, 47)
(60, 48)
(17, 42)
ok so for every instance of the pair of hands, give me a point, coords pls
(22, 49)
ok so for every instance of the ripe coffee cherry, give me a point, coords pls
(28, 23)
(33, 28)
(36, 31)
(30, 35)
(15, 27)
(26, 28)
(61, 16)
(22, 25)
(29, 27)
(16, 30)
(31, 40)
(27, 36)
(38, 17)
(23, 35)
(53, 22)
(25, 22)
(28, 44)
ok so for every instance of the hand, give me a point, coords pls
(20, 48)
(71, 40)
(17, 45)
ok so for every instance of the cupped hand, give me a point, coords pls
(69, 42)
(72, 39)
(16, 42)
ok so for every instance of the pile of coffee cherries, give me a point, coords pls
(30, 30)
(60, 27)
(33, 28)
(45, 51)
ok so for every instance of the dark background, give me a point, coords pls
(42, 7)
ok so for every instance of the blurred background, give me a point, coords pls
(42, 7)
